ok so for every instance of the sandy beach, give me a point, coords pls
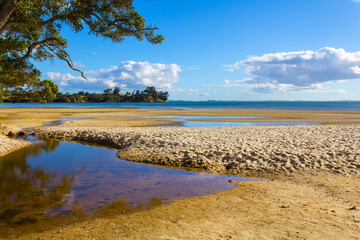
(36, 117)
(312, 189)
(243, 150)
(7, 144)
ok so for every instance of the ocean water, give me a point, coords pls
(275, 105)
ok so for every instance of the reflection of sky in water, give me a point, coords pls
(186, 123)
(93, 177)
(61, 121)
(242, 124)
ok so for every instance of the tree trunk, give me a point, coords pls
(5, 13)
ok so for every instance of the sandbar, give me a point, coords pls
(312, 189)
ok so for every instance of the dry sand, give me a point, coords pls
(245, 150)
(7, 144)
(313, 191)
(120, 122)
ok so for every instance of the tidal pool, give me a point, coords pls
(199, 121)
(53, 182)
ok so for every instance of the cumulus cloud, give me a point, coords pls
(234, 83)
(79, 64)
(190, 92)
(303, 70)
(127, 75)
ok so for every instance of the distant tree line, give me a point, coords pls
(113, 95)
(49, 93)
(42, 91)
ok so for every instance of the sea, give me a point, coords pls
(273, 105)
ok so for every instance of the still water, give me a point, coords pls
(62, 182)
(276, 105)
(199, 121)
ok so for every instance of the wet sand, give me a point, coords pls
(7, 144)
(298, 207)
(35, 117)
(313, 191)
(242, 150)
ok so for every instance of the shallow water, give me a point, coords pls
(185, 121)
(61, 121)
(62, 182)
(242, 124)
(276, 105)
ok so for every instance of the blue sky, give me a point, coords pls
(227, 50)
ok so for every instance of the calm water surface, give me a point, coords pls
(281, 105)
(61, 182)
(185, 121)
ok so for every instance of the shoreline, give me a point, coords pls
(35, 117)
(313, 191)
(7, 144)
(205, 105)
(245, 150)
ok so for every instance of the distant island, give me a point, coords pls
(109, 95)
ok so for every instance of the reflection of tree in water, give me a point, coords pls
(122, 207)
(26, 192)
(28, 195)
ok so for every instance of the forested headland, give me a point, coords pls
(109, 95)
(113, 95)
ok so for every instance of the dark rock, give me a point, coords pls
(11, 134)
(231, 181)
(22, 134)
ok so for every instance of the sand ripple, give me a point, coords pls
(332, 148)
(8, 145)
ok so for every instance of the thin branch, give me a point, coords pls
(69, 62)
(63, 51)
(96, 16)
(35, 45)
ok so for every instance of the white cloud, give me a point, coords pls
(234, 83)
(195, 67)
(79, 64)
(189, 92)
(295, 71)
(127, 75)
(93, 53)
(275, 88)
(357, 1)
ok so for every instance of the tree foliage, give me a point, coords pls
(47, 91)
(43, 92)
(148, 95)
(30, 29)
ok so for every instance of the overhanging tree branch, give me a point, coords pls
(24, 23)
(68, 61)
(35, 45)
(29, 24)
